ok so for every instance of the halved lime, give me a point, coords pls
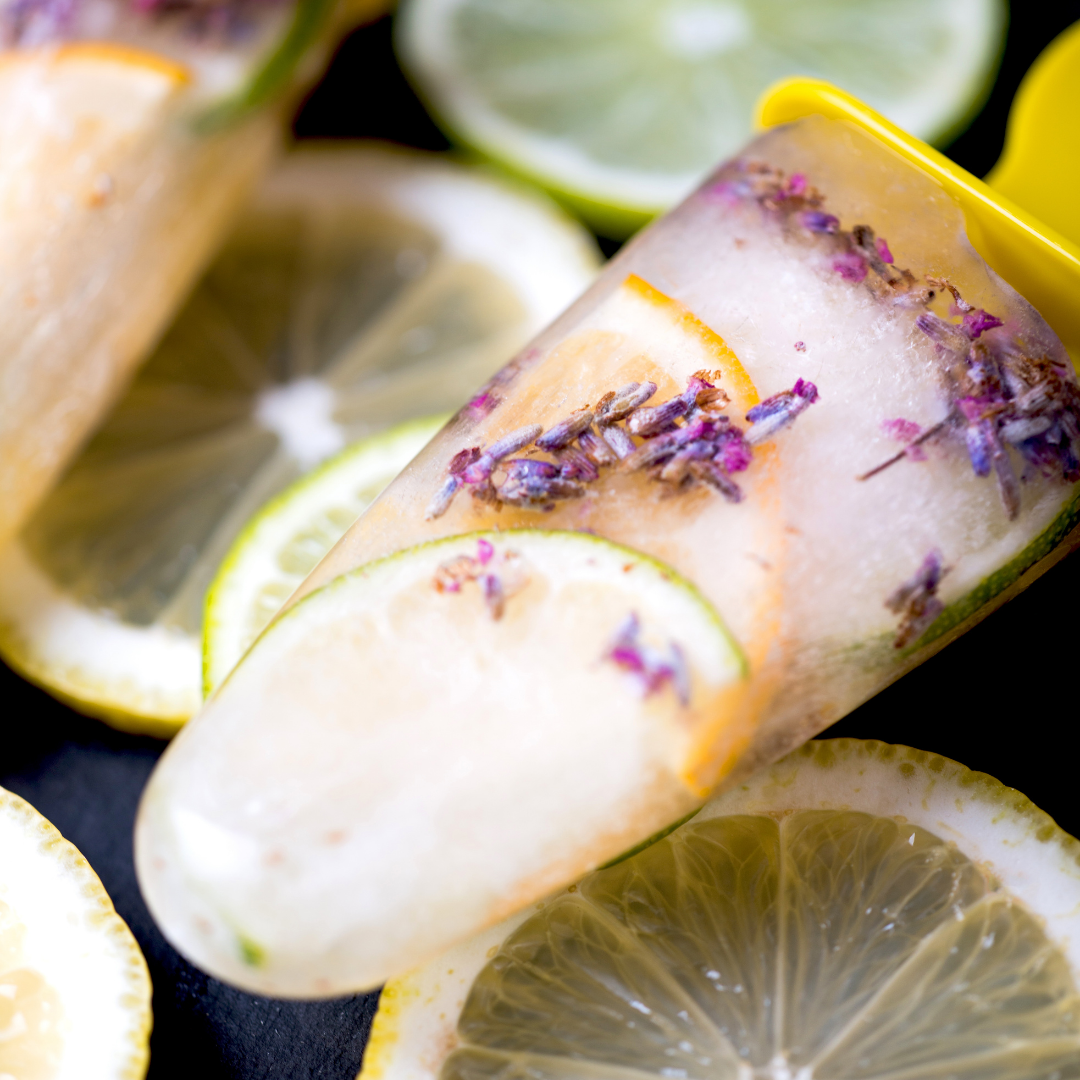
(364, 287)
(621, 106)
(855, 911)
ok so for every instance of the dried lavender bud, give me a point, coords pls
(533, 492)
(653, 452)
(776, 412)
(565, 432)
(678, 465)
(660, 418)
(443, 498)
(946, 334)
(651, 667)
(597, 448)
(818, 222)
(851, 266)
(709, 472)
(619, 440)
(978, 322)
(515, 441)
(521, 468)
(916, 600)
(463, 459)
(494, 596)
(575, 465)
(619, 404)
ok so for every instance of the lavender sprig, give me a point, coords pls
(682, 442)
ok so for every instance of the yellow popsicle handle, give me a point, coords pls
(1036, 260)
(1040, 168)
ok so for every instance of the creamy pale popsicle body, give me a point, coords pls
(861, 439)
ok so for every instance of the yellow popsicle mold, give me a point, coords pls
(1038, 170)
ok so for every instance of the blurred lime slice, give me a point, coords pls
(363, 288)
(282, 543)
(621, 106)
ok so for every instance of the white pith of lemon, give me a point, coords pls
(856, 910)
(624, 105)
(74, 989)
(281, 837)
(364, 287)
(283, 542)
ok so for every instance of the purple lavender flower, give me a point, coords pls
(816, 221)
(882, 248)
(977, 322)
(851, 266)
(776, 412)
(565, 432)
(916, 602)
(653, 668)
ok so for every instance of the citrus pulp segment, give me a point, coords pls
(362, 288)
(622, 106)
(285, 540)
(74, 989)
(387, 768)
(856, 910)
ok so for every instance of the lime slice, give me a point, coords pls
(363, 288)
(310, 834)
(281, 544)
(74, 989)
(858, 910)
(622, 106)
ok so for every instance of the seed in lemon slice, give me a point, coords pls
(363, 287)
(283, 542)
(857, 910)
(74, 989)
(407, 751)
(622, 106)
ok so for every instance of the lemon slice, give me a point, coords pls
(74, 989)
(362, 288)
(387, 769)
(857, 910)
(284, 541)
(623, 105)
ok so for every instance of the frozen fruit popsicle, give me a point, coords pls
(130, 130)
(804, 395)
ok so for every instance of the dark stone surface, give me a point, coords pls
(988, 701)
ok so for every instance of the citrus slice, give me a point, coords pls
(387, 768)
(856, 910)
(623, 106)
(74, 989)
(284, 541)
(363, 287)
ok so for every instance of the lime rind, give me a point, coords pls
(968, 606)
(271, 77)
(1027, 852)
(660, 569)
(348, 469)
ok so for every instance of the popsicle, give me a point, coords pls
(802, 402)
(130, 133)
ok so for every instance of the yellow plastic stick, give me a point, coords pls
(1038, 261)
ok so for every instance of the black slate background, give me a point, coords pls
(988, 701)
